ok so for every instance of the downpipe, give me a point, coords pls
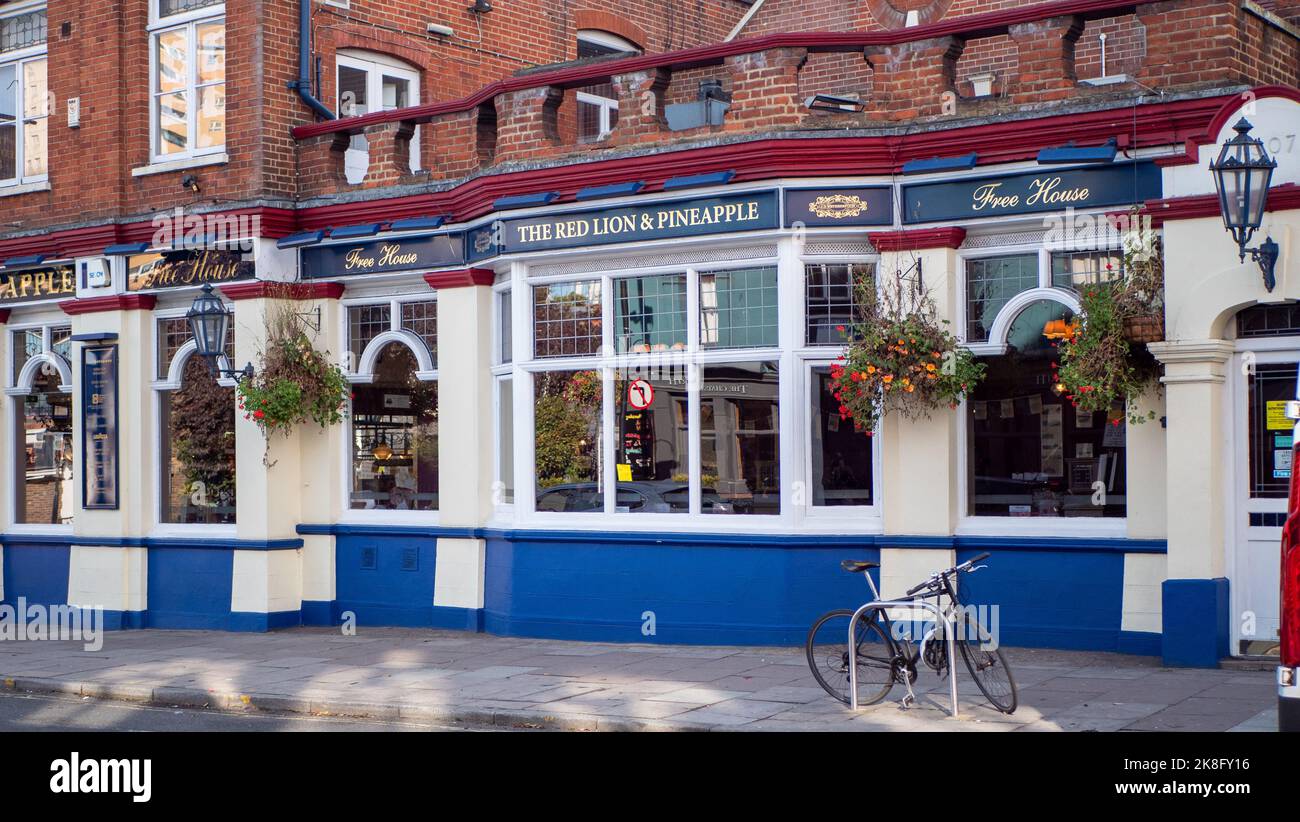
(302, 85)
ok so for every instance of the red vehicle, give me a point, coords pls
(1288, 672)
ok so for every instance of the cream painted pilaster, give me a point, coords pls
(464, 442)
(920, 462)
(1197, 455)
(112, 576)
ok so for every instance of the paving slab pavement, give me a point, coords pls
(386, 673)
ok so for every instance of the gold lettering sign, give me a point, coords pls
(37, 284)
(838, 206)
(179, 268)
(1042, 191)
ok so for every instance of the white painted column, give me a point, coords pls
(466, 450)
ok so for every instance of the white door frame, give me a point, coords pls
(1265, 351)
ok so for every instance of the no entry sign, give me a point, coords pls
(640, 394)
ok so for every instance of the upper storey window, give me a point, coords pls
(597, 105)
(24, 97)
(189, 78)
(369, 82)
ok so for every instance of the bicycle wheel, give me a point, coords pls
(988, 667)
(828, 657)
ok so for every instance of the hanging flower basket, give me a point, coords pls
(1144, 329)
(901, 359)
(294, 382)
(1104, 365)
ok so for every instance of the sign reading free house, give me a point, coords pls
(397, 254)
(1046, 190)
(168, 269)
(653, 221)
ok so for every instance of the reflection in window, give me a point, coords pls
(189, 88)
(27, 344)
(738, 309)
(24, 120)
(831, 299)
(990, 283)
(1271, 434)
(598, 105)
(505, 321)
(841, 455)
(506, 438)
(198, 449)
(740, 454)
(566, 319)
(61, 341)
(1032, 454)
(421, 319)
(43, 479)
(365, 322)
(1079, 269)
(568, 440)
(652, 470)
(395, 436)
(651, 313)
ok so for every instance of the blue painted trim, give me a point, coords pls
(1017, 543)
(300, 239)
(460, 619)
(1195, 620)
(349, 232)
(1140, 643)
(318, 612)
(259, 622)
(97, 336)
(613, 190)
(417, 223)
(124, 620)
(1074, 154)
(123, 249)
(522, 200)
(716, 178)
(30, 259)
(152, 542)
(965, 161)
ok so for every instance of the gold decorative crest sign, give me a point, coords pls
(838, 206)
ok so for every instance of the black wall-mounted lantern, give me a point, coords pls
(1242, 173)
(209, 326)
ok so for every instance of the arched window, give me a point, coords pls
(198, 447)
(370, 82)
(395, 434)
(45, 489)
(598, 105)
(1031, 452)
(43, 476)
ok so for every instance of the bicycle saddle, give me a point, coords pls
(856, 566)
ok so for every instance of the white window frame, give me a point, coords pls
(972, 525)
(164, 383)
(357, 373)
(19, 58)
(794, 360)
(375, 66)
(189, 22)
(606, 104)
(18, 386)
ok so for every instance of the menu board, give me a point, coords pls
(99, 469)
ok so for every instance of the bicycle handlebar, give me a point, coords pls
(934, 578)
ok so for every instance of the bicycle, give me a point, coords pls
(882, 660)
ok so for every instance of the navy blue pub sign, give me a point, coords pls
(99, 468)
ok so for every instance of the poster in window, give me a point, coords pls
(99, 471)
(1282, 463)
(1113, 436)
(1051, 442)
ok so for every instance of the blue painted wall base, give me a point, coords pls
(1195, 629)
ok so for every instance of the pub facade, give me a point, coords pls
(589, 350)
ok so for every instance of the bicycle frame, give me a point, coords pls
(941, 616)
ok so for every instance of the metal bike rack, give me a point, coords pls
(949, 633)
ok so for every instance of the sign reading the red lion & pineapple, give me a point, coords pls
(42, 283)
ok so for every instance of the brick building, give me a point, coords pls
(584, 265)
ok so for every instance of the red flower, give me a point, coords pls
(839, 328)
(259, 414)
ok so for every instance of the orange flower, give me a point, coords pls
(929, 367)
(888, 378)
(910, 388)
(871, 369)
